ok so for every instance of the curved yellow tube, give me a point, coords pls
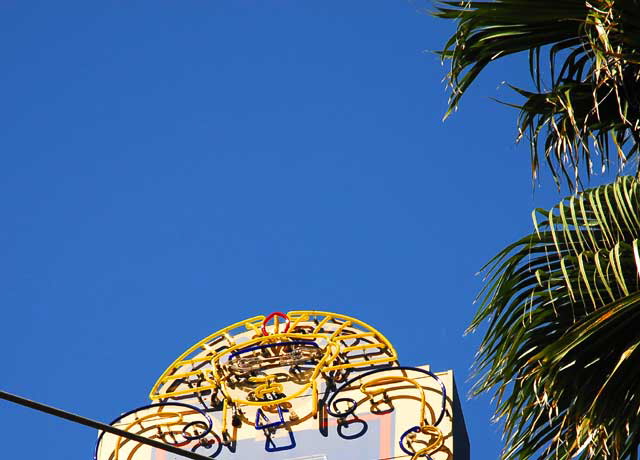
(434, 445)
(160, 415)
(166, 375)
(364, 388)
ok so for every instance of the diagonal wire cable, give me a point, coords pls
(98, 425)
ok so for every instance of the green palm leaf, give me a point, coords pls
(562, 348)
(592, 103)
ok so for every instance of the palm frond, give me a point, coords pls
(563, 343)
(593, 101)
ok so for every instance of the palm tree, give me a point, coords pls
(562, 304)
(593, 99)
(563, 307)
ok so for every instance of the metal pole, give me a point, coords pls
(99, 426)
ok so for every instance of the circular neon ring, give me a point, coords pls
(287, 323)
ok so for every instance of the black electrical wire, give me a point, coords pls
(99, 425)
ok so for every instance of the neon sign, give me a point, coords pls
(280, 374)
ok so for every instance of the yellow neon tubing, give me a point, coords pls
(136, 448)
(181, 375)
(298, 319)
(434, 446)
(372, 362)
(364, 388)
(253, 327)
(268, 386)
(219, 379)
(339, 330)
(424, 429)
(299, 315)
(345, 318)
(264, 390)
(195, 360)
(214, 360)
(209, 378)
(263, 379)
(320, 324)
(357, 336)
(365, 346)
(312, 379)
(334, 336)
(225, 408)
(161, 415)
(178, 362)
(317, 370)
(139, 445)
(173, 394)
(314, 396)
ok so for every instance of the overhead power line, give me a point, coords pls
(99, 425)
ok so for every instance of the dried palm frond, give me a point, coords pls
(592, 103)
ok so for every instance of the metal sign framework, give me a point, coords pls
(255, 371)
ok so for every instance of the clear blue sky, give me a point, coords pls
(168, 168)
